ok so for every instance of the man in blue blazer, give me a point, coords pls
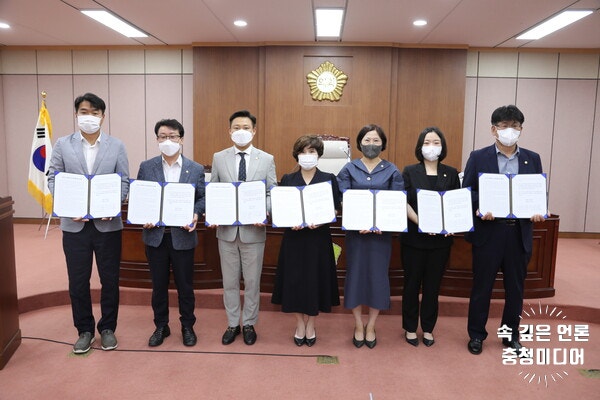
(91, 151)
(241, 248)
(499, 243)
(172, 247)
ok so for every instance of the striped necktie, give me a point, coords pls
(242, 168)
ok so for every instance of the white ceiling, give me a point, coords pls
(475, 23)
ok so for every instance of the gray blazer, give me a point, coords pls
(67, 156)
(191, 172)
(261, 167)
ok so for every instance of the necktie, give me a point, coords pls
(242, 168)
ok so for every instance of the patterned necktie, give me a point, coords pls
(242, 168)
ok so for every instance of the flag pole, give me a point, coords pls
(43, 93)
(44, 213)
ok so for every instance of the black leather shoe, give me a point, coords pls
(515, 344)
(428, 342)
(299, 341)
(357, 343)
(159, 336)
(371, 343)
(189, 336)
(311, 341)
(412, 342)
(230, 334)
(249, 335)
(475, 346)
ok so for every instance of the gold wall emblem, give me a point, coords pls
(326, 82)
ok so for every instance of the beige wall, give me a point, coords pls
(139, 88)
(558, 93)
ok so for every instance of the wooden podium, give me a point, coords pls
(457, 281)
(10, 334)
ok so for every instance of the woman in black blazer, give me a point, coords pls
(424, 256)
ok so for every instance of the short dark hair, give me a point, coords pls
(94, 101)
(421, 140)
(310, 141)
(243, 114)
(368, 128)
(171, 123)
(507, 113)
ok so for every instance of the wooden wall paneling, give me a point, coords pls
(291, 111)
(283, 120)
(469, 131)
(431, 91)
(225, 80)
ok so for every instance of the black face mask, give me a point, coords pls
(371, 151)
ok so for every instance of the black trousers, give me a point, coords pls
(503, 251)
(161, 260)
(80, 249)
(423, 270)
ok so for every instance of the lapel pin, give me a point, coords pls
(444, 175)
(525, 162)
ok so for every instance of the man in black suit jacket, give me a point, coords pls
(498, 243)
(172, 247)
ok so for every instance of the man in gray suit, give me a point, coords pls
(172, 247)
(241, 248)
(91, 151)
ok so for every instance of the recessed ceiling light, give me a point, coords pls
(4, 25)
(419, 22)
(114, 23)
(329, 22)
(240, 23)
(553, 24)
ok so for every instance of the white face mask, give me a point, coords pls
(169, 148)
(508, 136)
(308, 161)
(88, 123)
(241, 137)
(431, 152)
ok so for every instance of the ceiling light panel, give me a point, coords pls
(553, 24)
(114, 23)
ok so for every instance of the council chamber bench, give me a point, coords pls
(456, 282)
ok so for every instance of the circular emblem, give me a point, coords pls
(326, 82)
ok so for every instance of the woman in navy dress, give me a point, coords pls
(368, 252)
(424, 256)
(306, 276)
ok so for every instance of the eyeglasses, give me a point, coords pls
(173, 138)
(516, 126)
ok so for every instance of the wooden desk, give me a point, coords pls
(10, 333)
(457, 279)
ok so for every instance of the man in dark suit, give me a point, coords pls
(91, 151)
(499, 243)
(241, 248)
(172, 247)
